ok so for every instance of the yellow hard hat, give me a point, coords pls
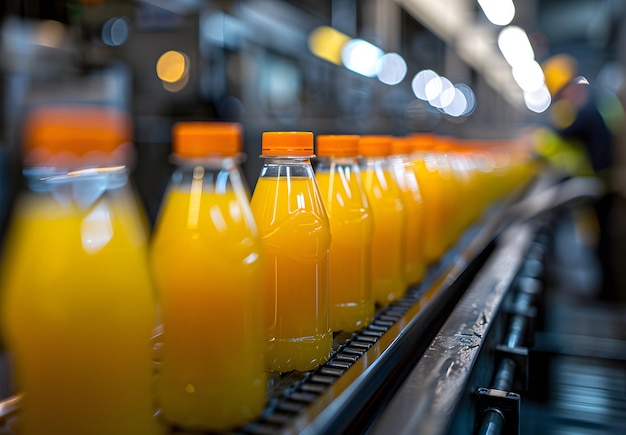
(558, 71)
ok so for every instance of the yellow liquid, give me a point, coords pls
(206, 258)
(388, 281)
(351, 225)
(436, 191)
(471, 191)
(296, 237)
(465, 200)
(78, 312)
(414, 262)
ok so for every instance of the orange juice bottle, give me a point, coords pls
(473, 192)
(206, 257)
(453, 202)
(351, 225)
(78, 306)
(434, 176)
(385, 197)
(295, 231)
(484, 164)
(463, 195)
(414, 263)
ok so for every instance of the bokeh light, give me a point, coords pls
(454, 100)
(419, 82)
(361, 57)
(499, 12)
(529, 76)
(50, 33)
(539, 100)
(515, 46)
(327, 43)
(457, 106)
(172, 69)
(115, 31)
(391, 68)
(470, 98)
(440, 92)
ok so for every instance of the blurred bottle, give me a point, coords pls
(295, 230)
(465, 198)
(466, 160)
(385, 197)
(501, 173)
(414, 263)
(351, 226)
(78, 306)
(207, 262)
(435, 178)
(485, 165)
(525, 160)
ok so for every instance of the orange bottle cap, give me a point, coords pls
(204, 139)
(375, 146)
(72, 135)
(288, 143)
(337, 145)
(401, 145)
(423, 141)
(445, 143)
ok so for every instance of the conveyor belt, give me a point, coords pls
(455, 366)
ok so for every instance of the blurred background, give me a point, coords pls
(333, 66)
(478, 70)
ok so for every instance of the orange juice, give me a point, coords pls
(414, 263)
(351, 226)
(78, 306)
(80, 326)
(385, 198)
(484, 168)
(296, 236)
(208, 276)
(207, 264)
(463, 194)
(473, 191)
(435, 178)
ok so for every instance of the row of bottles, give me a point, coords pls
(241, 284)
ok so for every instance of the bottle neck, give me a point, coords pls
(286, 160)
(286, 167)
(371, 162)
(328, 163)
(210, 162)
(46, 179)
(214, 175)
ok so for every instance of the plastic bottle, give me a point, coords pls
(295, 231)
(464, 198)
(435, 178)
(78, 306)
(385, 197)
(414, 263)
(474, 195)
(207, 262)
(351, 226)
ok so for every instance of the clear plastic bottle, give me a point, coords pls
(435, 178)
(295, 230)
(78, 306)
(206, 256)
(385, 198)
(351, 226)
(414, 262)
